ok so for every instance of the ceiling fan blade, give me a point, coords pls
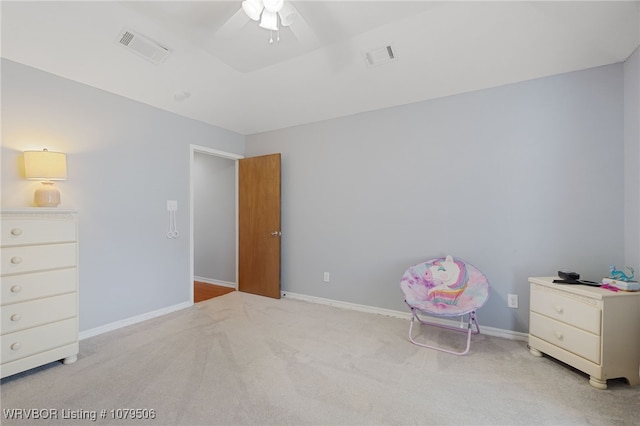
(233, 25)
(253, 8)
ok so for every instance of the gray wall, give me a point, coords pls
(519, 180)
(125, 160)
(632, 160)
(214, 212)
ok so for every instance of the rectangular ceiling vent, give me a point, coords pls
(379, 56)
(143, 46)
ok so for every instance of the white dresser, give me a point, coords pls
(596, 331)
(39, 298)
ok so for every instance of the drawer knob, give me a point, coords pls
(559, 335)
(15, 346)
(16, 317)
(16, 260)
(559, 309)
(16, 231)
(16, 289)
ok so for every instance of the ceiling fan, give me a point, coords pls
(271, 14)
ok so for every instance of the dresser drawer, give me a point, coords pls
(572, 339)
(37, 312)
(36, 285)
(17, 260)
(578, 311)
(37, 231)
(35, 340)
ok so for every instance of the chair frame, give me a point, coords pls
(471, 320)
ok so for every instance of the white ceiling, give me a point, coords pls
(238, 81)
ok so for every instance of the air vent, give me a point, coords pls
(379, 56)
(143, 46)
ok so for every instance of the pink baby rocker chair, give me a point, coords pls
(445, 288)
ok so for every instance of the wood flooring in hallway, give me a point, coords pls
(204, 291)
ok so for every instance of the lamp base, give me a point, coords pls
(47, 195)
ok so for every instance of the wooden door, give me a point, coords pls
(259, 225)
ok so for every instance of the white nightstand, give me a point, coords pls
(594, 330)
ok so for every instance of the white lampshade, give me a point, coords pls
(45, 166)
(253, 8)
(288, 14)
(269, 20)
(273, 6)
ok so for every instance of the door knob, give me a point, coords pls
(276, 233)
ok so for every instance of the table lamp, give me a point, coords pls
(45, 166)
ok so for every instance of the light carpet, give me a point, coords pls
(241, 359)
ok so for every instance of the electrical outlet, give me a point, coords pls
(326, 277)
(172, 205)
(512, 300)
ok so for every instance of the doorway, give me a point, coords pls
(214, 230)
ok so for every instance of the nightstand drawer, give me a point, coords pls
(21, 316)
(572, 339)
(37, 231)
(35, 340)
(36, 285)
(583, 313)
(16, 260)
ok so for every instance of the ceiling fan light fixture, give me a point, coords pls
(273, 6)
(287, 14)
(253, 8)
(269, 20)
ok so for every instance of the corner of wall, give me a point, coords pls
(632, 158)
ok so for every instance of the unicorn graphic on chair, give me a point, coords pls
(438, 282)
(446, 280)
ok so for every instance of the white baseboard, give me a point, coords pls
(215, 282)
(491, 331)
(133, 320)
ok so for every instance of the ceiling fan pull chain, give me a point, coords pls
(271, 37)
